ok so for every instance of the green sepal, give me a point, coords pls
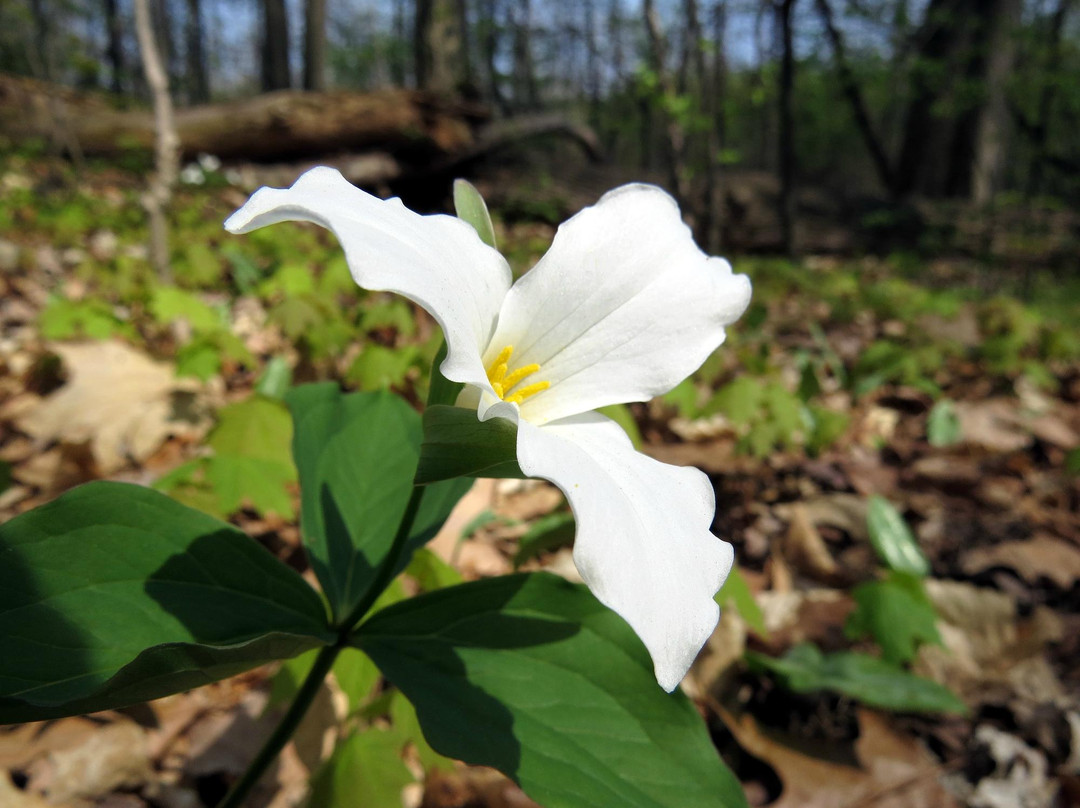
(470, 207)
(458, 444)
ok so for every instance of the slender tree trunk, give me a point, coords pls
(696, 81)
(526, 91)
(988, 171)
(114, 49)
(398, 64)
(156, 199)
(675, 140)
(437, 47)
(1041, 130)
(786, 139)
(275, 46)
(718, 93)
(592, 63)
(850, 86)
(467, 71)
(315, 45)
(43, 51)
(161, 19)
(488, 26)
(197, 77)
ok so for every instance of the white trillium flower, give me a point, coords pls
(622, 308)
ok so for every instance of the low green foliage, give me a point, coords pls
(896, 613)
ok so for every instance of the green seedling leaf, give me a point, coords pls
(357, 677)
(365, 769)
(276, 379)
(893, 540)
(872, 681)
(532, 675)
(357, 457)
(736, 591)
(380, 368)
(458, 444)
(114, 594)
(943, 424)
(545, 534)
(470, 207)
(406, 727)
(290, 280)
(684, 398)
(430, 572)
(897, 613)
(740, 401)
(91, 319)
(169, 304)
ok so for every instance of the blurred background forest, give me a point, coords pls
(891, 429)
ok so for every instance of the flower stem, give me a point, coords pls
(285, 729)
(323, 662)
(389, 566)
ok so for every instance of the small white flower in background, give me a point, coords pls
(192, 174)
(622, 308)
(208, 162)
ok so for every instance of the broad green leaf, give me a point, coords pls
(406, 727)
(943, 424)
(545, 534)
(873, 681)
(893, 540)
(740, 401)
(684, 398)
(458, 444)
(470, 207)
(379, 368)
(93, 319)
(897, 613)
(365, 769)
(735, 590)
(357, 456)
(114, 594)
(237, 480)
(257, 428)
(532, 675)
(356, 675)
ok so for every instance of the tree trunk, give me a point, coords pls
(988, 171)
(275, 46)
(718, 92)
(852, 92)
(114, 50)
(437, 47)
(197, 78)
(161, 20)
(1041, 130)
(786, 139)
(526, 92)
(42, 61)
(675, 139)
(166, 163)
(592, 62)
(315, 45)
(488, 26)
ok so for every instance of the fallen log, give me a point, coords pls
(275, 126)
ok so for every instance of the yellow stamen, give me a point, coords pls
(519, 374)
(525, 392)
(503, 382)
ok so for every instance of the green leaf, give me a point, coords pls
(275, 380)
(470, 207)
(735, 590)
(169, 304)
(93, 319)
(114, 594)
(356, 675)
(893, 540)
(684, 398)
(430, 572)
(897, 613)
(545, 534)
(357, 456)
(943, 424)
(532, 675)
(458, 444)
(740, 401)
(365, 769)
(380, 368)
(873, 681)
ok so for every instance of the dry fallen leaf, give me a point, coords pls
(893, 770)
(121, 401)
(1040, 557)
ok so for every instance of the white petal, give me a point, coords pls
(437, 261)
(623, 306)
(643, 544)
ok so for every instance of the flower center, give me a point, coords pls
(507, 385)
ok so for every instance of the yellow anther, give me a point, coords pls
(503, 382)
(525, 392)
(518, 375)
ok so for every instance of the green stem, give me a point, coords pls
(388, 569)
(285, 729)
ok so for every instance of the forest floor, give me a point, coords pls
(914, 385)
